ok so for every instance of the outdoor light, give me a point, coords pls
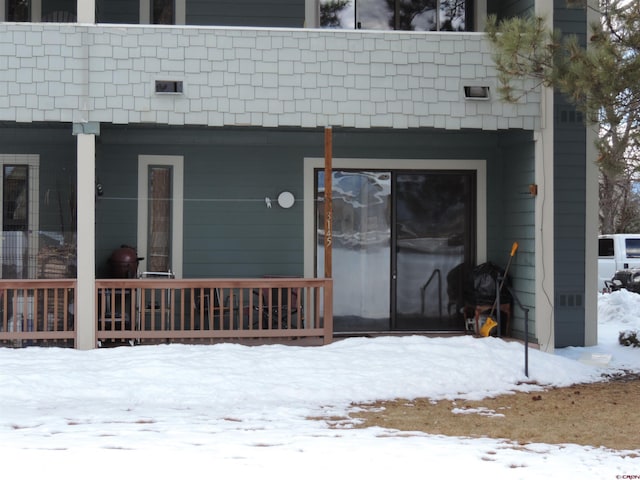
(286, 200)
(476, 93)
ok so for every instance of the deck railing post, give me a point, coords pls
(328, 310)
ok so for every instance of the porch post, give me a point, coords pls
(86, 277)
(328, 203)
(544, 216)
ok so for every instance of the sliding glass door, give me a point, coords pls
(400, 242)
(433, 240)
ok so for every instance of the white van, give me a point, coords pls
(617, 252)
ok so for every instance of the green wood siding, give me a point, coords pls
(117, 11)
(569, 205)
(510, 8)
(519, 217)
(246, 13)
(249, 13)
(229, 232)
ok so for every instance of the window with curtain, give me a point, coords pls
(418, 15)
(15, 198)
(15, 221)
(159, 235)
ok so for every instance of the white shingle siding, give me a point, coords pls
(261, 77)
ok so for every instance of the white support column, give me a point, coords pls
(85, 294)
(86, 11)
(544, 213)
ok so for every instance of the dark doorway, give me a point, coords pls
(433, 240)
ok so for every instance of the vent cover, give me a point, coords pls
(169, 86)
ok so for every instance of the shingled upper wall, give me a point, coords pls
(258, 77)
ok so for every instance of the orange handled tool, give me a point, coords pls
(490, 322)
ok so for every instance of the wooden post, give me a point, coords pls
(328, 202)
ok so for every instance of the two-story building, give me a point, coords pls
(196, 131)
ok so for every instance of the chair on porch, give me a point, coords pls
(280, 304)
(114, 306)
(216, 315)
(59, 16)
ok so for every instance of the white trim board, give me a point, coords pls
(177, 162)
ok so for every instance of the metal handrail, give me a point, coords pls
(424, 288)
(526, 324)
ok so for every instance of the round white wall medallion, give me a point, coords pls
(286, 200)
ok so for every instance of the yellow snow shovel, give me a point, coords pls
(490, 323)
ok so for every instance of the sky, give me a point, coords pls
(227, 411)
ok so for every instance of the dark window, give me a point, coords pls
(633, 247)
(163, 12)
(15, 198)
(18, 10)
(419, 15)
(605, 247)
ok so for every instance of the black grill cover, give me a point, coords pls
(483, 279)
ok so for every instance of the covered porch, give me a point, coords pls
(391, 271)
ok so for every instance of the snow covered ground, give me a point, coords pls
(176, 411)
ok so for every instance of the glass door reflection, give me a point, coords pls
(361, 248)
(418, 15)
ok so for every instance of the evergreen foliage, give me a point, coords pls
(329, 12)
(601, 80)
(629, 338)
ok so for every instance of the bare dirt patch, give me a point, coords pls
(599, 414)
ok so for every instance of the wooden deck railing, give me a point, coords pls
(41, 312)
(37, 312)
(208, 310)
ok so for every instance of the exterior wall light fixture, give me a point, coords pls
(476, 92)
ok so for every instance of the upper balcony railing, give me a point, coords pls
(435, 15)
